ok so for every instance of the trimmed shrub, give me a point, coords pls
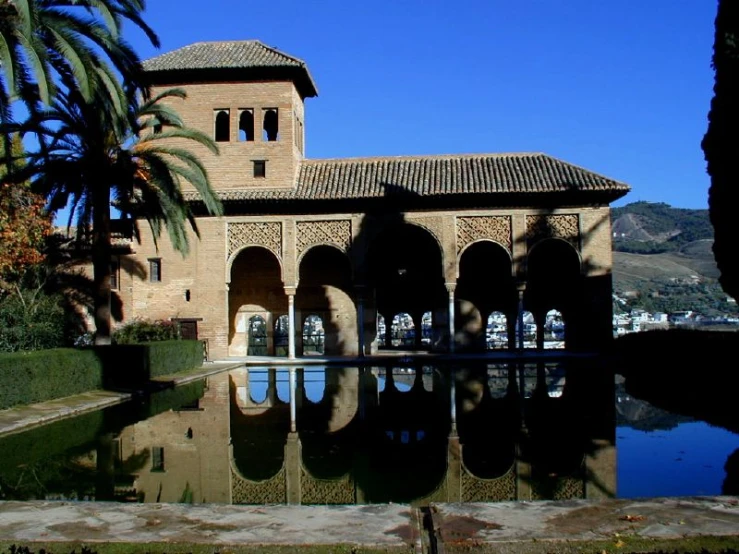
(131, 365)
(30, 377)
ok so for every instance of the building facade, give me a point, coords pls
(312, 247)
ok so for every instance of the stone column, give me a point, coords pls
(290, 291)
(360, 321)
(293, 400)
(521, 288)
(292, 468)
(451, 287)
(453, 401)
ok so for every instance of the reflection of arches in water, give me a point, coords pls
(257, 384)
(497, 331)
(283, 384)
(400, 378)
(313, 335)
(258, 434)
(314, 384)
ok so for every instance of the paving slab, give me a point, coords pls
(477, 524)
(390, 526)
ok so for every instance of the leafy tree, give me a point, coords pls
(24, 224)
(721, 144)
(90, 157)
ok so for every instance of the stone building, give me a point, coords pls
(310, 247)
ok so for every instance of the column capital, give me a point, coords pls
(450, 287)
(290, 291)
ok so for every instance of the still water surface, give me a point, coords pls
(337, 435)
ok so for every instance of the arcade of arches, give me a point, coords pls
(353, 286)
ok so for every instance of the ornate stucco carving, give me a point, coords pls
(475, 489)
(270, 491)
(255, 233)
(337, 232)
(566, 227)
(325, 491)
(558, 488)
(433, 224)
(496, 228)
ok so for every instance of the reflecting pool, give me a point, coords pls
(343, 435)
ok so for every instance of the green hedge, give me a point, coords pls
(131, 365)
(30, 377)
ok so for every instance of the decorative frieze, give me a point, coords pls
(500, 489)
(433, 224)
(270, 491)
(255, 233)
(566, 227)
(336, 232)
(326, 491)
(490, 227)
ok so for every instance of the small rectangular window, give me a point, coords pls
(260, 168)
(155, 270)
(157, 458)
(115, 269)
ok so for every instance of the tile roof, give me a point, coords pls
(227, 55)
(433, 176)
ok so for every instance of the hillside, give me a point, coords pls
(663, 260)
(652, 228)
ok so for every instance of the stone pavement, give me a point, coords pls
(501, 527)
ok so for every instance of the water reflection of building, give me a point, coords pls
(373, 435)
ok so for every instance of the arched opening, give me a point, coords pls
(382, 329)
(324, 290)
(257, 337)
(485, 285)
(405, 272)
(271, 125)
(554, 330)
(246, 126)
(255, 288)
(223, 126)
(427, 328)
(554, 282)
(497, 331)
(526, 330)
(282, 336)
(403, 331)
(313, 336)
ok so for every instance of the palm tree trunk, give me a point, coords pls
(101, 253)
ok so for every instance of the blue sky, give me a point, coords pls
(621, 88)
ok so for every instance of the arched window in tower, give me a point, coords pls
(246, 126)
(223, 126)
(271, 125)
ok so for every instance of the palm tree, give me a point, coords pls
(90, 157)
(41, 39)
